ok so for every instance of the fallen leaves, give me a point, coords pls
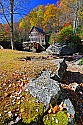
(15, 75)
(56, 109)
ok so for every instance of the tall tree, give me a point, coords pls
(45, 17)
(72, 12)
(11, 24)
(11, 7)
(23, 29)
(36, 16)
(51, 18)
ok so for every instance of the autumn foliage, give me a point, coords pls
(51, 18)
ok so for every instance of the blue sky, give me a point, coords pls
(32, 4)
(35, 3)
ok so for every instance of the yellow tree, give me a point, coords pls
(23, 29)
(51, 16)
(40, 15)
(33, 18)
(36, 16)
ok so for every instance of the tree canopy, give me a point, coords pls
(51, 18)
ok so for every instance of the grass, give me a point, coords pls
(15, 71)
(10, 61)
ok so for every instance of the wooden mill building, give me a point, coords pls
(38, 39)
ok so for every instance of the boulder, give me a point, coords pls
(70, 111)
(68, 50)
(61, 69)
(44, 88)
(61, 49)
(54, 49)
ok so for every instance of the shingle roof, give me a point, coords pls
(38, 29)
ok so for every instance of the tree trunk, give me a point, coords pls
(75, 25)
(11, 25)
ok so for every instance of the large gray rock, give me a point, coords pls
(58, 49)
(54, 49)
(62, 66)
(61, 69)
(44, 88)
(70, 110)
(68, 50)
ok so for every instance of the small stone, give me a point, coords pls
(11, 123)
(80, 92)
(10, 85)
(18, 98)
(47, 118)
(5, 111)
(15, 114)
(36, 110)
(4, 84)
(9, 113)
(57, 121)
(17, 119)
(52, 118)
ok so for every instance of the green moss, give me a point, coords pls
(59, 118)
(31, 110)
(81, 62)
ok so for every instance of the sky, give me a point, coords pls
(35, 3)
(32, 4)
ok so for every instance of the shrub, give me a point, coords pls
(52, 38)
(67, 36)
(80, 32)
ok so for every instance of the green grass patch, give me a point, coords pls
(59, 118)
(81, 61)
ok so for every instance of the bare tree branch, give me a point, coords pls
(4, 14)
(12, 7)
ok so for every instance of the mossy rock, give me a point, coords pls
(59, 118)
